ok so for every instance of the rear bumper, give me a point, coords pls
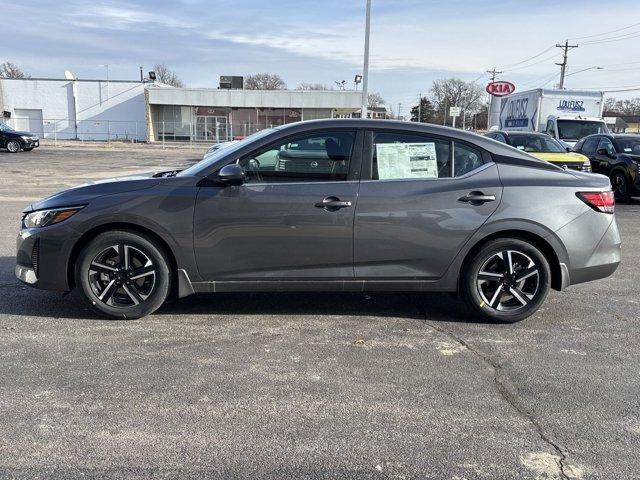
(587, 263)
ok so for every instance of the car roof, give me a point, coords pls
(509, 133)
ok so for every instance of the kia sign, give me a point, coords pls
(500, 89)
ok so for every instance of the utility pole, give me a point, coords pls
(494, 73)
(399, 107)
(365, 71)
(141, 74)
(420, 108)
(563, 66)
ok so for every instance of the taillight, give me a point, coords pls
(600, 201)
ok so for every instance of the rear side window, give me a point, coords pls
(590, 145)
(465, 159)
(401, 156)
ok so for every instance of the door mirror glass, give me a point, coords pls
(602, 151)
(231, 174)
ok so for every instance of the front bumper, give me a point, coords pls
(42, 257)
(31, 143)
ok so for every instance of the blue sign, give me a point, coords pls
(571, 106)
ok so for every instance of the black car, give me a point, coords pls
(616, 156)
(14, 141)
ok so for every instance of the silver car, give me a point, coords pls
(338, 205)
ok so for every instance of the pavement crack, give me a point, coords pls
(508, 392)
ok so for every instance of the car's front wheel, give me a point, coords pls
(123, 274)
(507, 280)
(13, 146)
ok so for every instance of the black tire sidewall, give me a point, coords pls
(150, 248)
(470, 291)
(619, 196)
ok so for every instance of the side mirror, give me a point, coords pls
(568, 149)
(231, 174)
(603, 152)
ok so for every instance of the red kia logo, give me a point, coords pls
(500, 89)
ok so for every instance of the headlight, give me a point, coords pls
(26, 138)
(42, 218)
(586, 166)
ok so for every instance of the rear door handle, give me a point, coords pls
(477, 198)
(332, 204)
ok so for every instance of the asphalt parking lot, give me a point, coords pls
(309, 385)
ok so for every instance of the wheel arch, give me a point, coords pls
(129, 227)
(541, 243)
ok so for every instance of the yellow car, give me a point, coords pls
(544, 147)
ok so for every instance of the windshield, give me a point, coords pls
(211, 158)
(577, 129)
(536, 143)
(6, 128)
(630, 145)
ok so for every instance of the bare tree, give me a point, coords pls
(313, 86)
(11, 70)
(264, 81)
(374, 99)
(630, 106)
(454, 92)
(167, 76)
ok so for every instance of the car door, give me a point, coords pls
(421, 198)
(292, 219)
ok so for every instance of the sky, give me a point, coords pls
(413, 42)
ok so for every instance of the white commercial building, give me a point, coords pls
(80, 109)
(133, 110)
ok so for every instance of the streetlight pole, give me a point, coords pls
(107, 67)
(365, 71)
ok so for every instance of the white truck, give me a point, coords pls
(566, 115)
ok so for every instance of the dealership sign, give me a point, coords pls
(500, 89)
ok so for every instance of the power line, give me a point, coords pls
(614, 39)
(530, 58)
(606, 33)
(531, 64)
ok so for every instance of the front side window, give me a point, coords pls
(317, 157)
(590, 145)
(400, 156)
(551, 130)
(606, 144)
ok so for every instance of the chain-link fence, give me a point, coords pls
(202, 130)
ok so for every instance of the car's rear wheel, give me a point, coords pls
(123, 274)
(13, 146)
(620, 185)
(507, 280)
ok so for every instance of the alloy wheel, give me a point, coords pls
(122, 276)
(13, 146)
(619, 185)
(508, 280)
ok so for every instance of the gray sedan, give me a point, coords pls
(330, 205)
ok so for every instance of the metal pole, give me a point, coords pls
(365, 70)
(454, 122)
(420, 108)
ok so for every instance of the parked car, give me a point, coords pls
(14, 141)
(617, 157)
(544, 147)
(405, 207)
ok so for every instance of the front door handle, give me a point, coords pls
(332, 204)
(477, 198)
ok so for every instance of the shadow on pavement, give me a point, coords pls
(22, 300)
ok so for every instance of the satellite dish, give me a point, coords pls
(69, 75)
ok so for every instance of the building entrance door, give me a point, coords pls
(211, 129)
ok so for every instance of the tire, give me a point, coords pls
(498, 294)
(110, 288)
(620, 185)
(13, 146)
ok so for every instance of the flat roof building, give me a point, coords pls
(146, 111)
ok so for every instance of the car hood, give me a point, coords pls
(83, 194)
(26, 134)
(561, 157)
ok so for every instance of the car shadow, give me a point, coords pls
(23, 301)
